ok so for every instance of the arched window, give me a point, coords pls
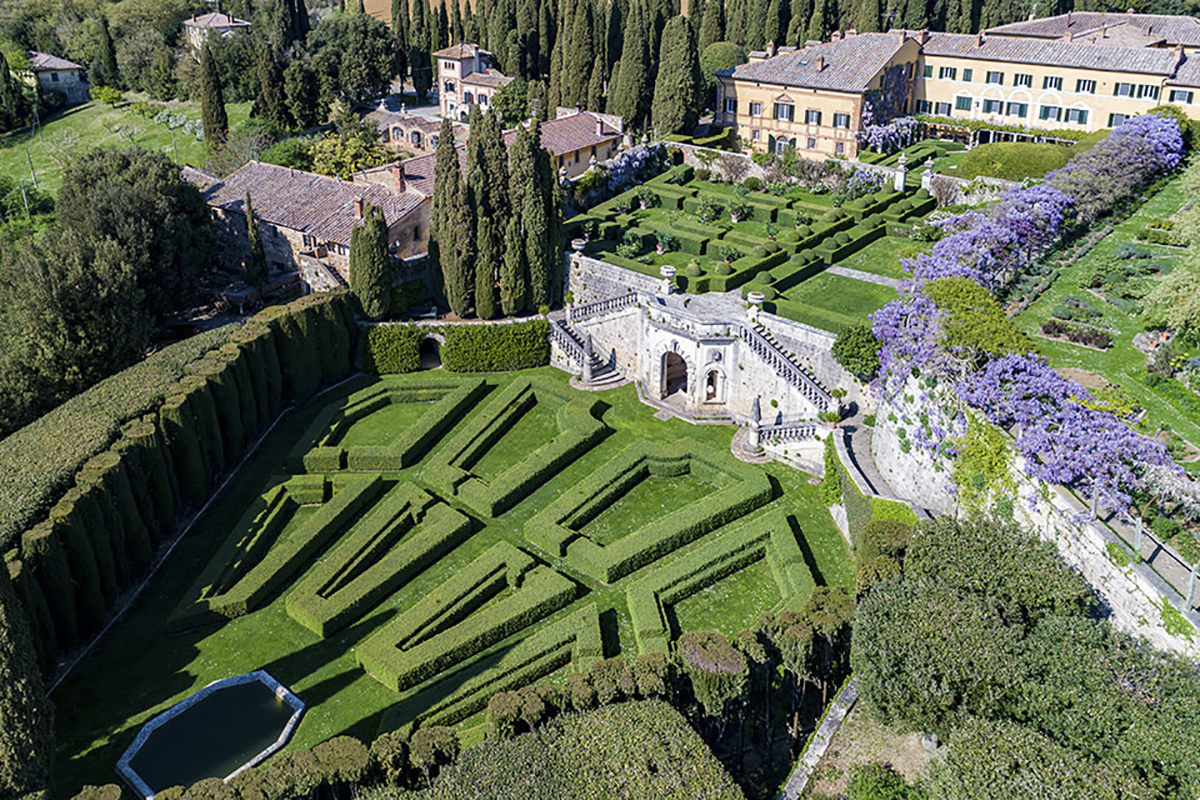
(449, 87)
(468, 98)
(416, 138)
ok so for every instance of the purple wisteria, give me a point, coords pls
(1061, 439)
(895, 135)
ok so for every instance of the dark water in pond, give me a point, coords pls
(212, 738)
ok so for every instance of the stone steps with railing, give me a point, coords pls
(766, 347)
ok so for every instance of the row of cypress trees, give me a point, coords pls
(496, 225)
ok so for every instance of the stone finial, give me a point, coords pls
(756, 411)
(588, 346)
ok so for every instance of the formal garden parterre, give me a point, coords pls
(399, 579)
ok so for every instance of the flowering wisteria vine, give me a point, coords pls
(1062, 439)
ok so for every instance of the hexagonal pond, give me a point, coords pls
(224, 728)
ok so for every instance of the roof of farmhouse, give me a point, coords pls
(303, 201)
(847, 65)
(1170, 30)
(44, 62)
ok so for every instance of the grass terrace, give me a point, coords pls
(882, 257)
(1170, 405)
(832, 302)
(95, 124)
(389, 574)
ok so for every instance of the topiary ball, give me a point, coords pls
(693, 269)
(841, 237)
(723, 269)
(763, 278)
(922, 194)
(808, 254)
(759, 252)
(791, 237)
(769, 293)
(832, 216)
(771, 247)
(873, 221)
(803, 230)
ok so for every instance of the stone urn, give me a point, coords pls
(578, 244)
(667, 271)
(755, 299)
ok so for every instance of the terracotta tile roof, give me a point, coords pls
(1056, 53)
(1188, 73)
(198, 177)
(43, 62)
(488, 77)
(215, 20)
(570, 133)
(460, 51)
(418, 171)
(847, 65)
(303, 201)
(1172, 30)
(383, 118)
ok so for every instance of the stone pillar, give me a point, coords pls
(754, 442)
(927, 175)
(901, 173)
(587, 359)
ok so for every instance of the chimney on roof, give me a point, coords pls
(1179, 56)
(923, 36)
(397, 171)
(836, 36)
(599, 127)
(770, 49)
(1070, 36)
(979, 40)
(1032, 16)
(851, 32)
(578, 108)
(820, 63)
(358, 208)
(1068, 19)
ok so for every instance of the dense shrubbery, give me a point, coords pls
(475, 347)
(1023, 668)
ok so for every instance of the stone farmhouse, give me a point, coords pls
(305, 219)
(466, 76)
(51, 73)
(199, 28)
(1081, 71)
(400, 130)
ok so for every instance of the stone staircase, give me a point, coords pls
(603, 374)
(785, 363)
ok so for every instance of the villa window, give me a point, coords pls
(923, 106)
(730, 105)
(756, 109)
(785, 112)
(449, 87)
(1147, 91)
(996, 77)
(1123, 90)
(1083, 86)
(1181, 96)
(948, 73)
(812, 117)
(941, 109)
(1023, 79)
(928, 72)
(962, 103)
(54, 77)
(1018, 110)
(1079, 116)
(840, 148)
(992, 106)
(841, 121)
(812, 143)
(968, 75)
(755, 135)
(1052, 82)
(1115, 119)
(1051, 113)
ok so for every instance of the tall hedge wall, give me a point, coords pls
(143, 445)
(474, 347)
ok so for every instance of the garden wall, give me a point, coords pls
(1133, 593)
(815, 347)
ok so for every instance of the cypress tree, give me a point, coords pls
(613, 41)
(679, 91)
(774, 31)
(26, 715)
(554, 88)
(212, 100)
(269, 102)
(418, 53)
(456, 24)
(257, 271)
(756, 23)
(867, 14)
(816, 25)
(580, 57)
(539, 232)
(595, 92)
(514, 272)
(370, 264)
(282, 23)
(442, 29)
(444, 245)
(104, 72)
(545, 40)
(735, 22)
(12, 100)
(300, 26)
(712, 25)
(400, 25)
(488, 257)
(628, 97)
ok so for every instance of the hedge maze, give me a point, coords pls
(509, 528)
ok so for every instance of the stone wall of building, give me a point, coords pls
(589, 280)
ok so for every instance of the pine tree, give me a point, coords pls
(816, 25)
(104, 71)
(257, 271)
(212, 100)
(444, 246)
(370, 264)
(712, 25)
(270, 103)
(26, 715)
(679, 91)
(630, 92)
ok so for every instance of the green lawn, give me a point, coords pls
(139, 668)
(1122, 364)
(832, 302)
(880, 257)
(94, 124)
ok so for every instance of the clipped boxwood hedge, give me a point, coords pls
(468, 347)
